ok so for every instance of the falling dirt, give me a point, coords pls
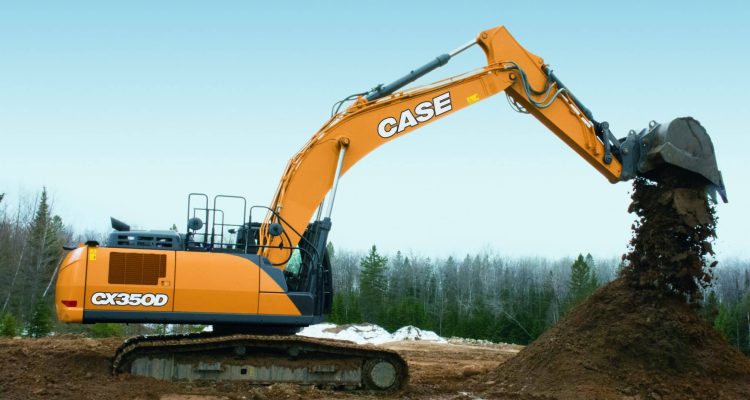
(672, 237)
(640, 337)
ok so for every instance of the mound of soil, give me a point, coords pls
(620, 343)
(640, 337)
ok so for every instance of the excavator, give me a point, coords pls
(260, 279)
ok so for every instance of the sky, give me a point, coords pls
(123, 108)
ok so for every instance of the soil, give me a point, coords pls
(620, 344)
(76, 367)
(640, 337)
(671, 244)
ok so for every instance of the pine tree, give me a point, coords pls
(41, 321)
(45, 245)
(373, 284)
(106, 330)
(710, 308)
(593, 280)
(743, 323)
(331, 251)
(337, 315)
(727, 322)
(8, 325)
(582, 282)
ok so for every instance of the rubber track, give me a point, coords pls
(204, 341)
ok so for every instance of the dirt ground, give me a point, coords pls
(74, 367)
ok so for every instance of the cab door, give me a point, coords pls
(121, 279)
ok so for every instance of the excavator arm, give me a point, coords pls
(385, 114)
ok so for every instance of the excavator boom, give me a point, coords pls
(383, 115)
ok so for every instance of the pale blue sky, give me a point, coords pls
(123, 108)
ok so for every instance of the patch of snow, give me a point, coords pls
(368, 333)
(413, 333)
(357, 333)
(318, 331)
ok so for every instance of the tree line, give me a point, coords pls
(502, 299)
(481, 296)
(31, 240)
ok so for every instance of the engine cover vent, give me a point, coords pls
(137, 268)
(145, 239)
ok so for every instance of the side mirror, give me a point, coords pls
(195, 224)
(275, 229)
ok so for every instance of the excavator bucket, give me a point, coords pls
(681, 143)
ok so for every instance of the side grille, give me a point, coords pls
(137, 268)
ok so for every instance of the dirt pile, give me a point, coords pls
(619, 343)
(639, 337)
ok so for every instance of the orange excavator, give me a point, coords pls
(257, 281)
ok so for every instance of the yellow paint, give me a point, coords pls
(276, 304)
(473, 98)
(92, 254)
(215, 283)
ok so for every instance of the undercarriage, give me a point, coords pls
(262, 359)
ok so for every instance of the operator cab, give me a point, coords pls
(227, 226)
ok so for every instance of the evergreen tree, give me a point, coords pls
(594, 280)
(710, 308)
(726, 323)
(106, 330)
(338, 312)
(736, 323)
(331, 251)
(41, 321)
(345, 308)
(582, 282)
(8, 325)
(45, 245)
(373, 284)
